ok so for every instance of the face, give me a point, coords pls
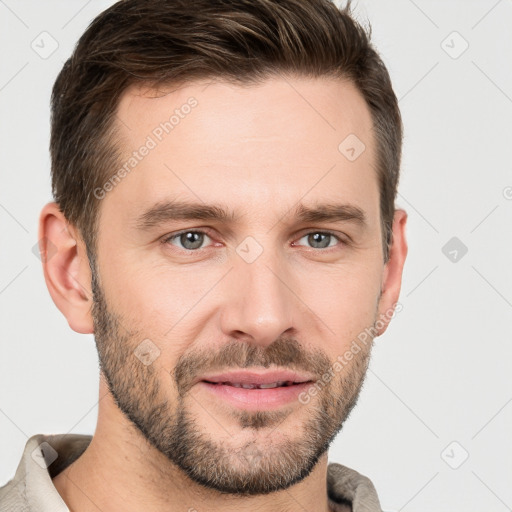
(242, 239)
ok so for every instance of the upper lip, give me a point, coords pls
(251, 377)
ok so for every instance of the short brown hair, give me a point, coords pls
(178, 41)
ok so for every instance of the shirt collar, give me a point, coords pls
(45, 456)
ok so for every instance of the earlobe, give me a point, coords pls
(392, 274)
(66, 268)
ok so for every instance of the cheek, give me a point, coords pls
(152, 294)
(346, 302)
(162, 305)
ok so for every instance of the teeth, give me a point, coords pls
(259, 386)
(269, 386)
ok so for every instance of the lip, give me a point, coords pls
(252, 377)
(255, 399)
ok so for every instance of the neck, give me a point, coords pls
(120, 470)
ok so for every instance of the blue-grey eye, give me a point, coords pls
(320, 240)
(189, 240)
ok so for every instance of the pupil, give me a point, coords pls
(322, 239)
(191, 240)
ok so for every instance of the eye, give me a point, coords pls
(188, 240)
(321, 239)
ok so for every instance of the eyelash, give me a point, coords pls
(175, 236)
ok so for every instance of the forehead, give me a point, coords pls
(246, 145)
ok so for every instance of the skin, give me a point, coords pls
(258, 151)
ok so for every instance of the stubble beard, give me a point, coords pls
(275, 458)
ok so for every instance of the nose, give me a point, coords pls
(259, 302)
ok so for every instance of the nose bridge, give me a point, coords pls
(260, 304)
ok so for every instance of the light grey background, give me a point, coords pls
(442, 372)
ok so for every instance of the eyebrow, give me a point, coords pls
(330, 213)
(167, 211)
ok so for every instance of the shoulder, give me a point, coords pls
(44, 456)
(347, 485)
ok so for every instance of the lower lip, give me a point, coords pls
(257, 399)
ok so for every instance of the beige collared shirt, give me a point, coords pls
(45, 456)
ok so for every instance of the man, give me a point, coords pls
(224, 175)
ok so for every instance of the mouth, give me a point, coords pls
(250, 379)
(256, 391)
(270, 385)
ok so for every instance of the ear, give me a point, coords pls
(66, 268)
(392, 273)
